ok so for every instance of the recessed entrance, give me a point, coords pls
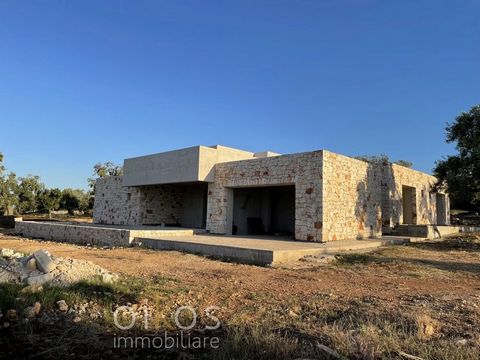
(180, 205)
(409, 202)
(264, 211)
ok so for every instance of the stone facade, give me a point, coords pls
(302, 170)
(335, 196)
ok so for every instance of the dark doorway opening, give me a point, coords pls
(409, 202)
(264, 210)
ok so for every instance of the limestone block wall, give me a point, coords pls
(303, 170)
(394, 177)
(351, 198)
(116, 204)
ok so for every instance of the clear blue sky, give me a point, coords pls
(89, 81)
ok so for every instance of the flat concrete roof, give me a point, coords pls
(184, 165)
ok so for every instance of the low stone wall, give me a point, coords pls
(433, 231)
(76, 234)
(83, 234)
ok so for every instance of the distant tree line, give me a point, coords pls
(23, 195)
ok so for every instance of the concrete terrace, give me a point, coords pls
(260, 250)
(257, 250)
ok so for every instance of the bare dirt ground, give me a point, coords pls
(421, 299)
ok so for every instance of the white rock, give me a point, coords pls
(44, 261)
(62, 306)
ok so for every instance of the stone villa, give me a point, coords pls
(313, 196)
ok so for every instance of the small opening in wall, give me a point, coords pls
(129, 196)
(423, 193)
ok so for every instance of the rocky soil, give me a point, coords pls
(41, 268)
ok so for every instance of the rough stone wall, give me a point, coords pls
(351, 198)
(131, 205)
(303, 170)
(144, 205)
(76, 234)
(161, 204)
(115, 204)
(425, 210)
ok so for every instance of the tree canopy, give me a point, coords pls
(383, 159)
(101, 170)
(460, 173)
(8, 190)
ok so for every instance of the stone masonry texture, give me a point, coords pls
(425, 207)
(129, 205)
(351, 200)
(115, 204)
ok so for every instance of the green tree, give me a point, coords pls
(8, 194)
(460, 174)
(8, 190)
(75, 199)
(101, 170)
(49, 200)
(69, 201)
(28, 190)
(383, 159)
